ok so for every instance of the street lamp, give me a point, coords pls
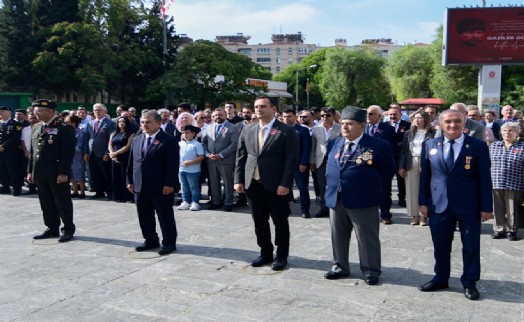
(296, 87)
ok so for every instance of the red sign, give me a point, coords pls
(484, 36)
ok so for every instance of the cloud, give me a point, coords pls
(206, 19)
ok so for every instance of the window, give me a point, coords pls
(263, 60)
(245, 51)
(265, 51)
(268, 68)
(278, 60)
(278, 69)
(290, 51)
(278, 51)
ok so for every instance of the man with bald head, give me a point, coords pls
(377, 128)
(472, 128)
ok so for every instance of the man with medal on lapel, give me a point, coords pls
(357, 167)
(52, 152)
(455, 186)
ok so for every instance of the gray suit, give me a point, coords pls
(472, 128)
(318, 157)
(224, 143)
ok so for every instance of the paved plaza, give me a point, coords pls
(98, 276)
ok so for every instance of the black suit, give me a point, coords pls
(402, 128)
(276, 164)
(52, 152)
(385, 132)
(150, 172)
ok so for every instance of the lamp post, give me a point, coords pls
(296, 87)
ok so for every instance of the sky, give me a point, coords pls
(321, 21)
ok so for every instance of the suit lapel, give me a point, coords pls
(273, 132)
(440, 149)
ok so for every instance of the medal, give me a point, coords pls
(370, 162)
(467, 167)
(358, 161)
(468, 163)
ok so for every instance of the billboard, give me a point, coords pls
(483, 36)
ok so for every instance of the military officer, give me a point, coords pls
(10, 171)
(52, 151)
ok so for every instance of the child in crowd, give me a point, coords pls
(191, 156)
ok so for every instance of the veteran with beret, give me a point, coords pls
(357, 167)
(10, 171)
(52, 152)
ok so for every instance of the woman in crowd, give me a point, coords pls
(507, 176)
(78, 168)
(409, 161)
(119, 145)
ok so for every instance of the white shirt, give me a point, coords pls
(456, 146)
(355, 142)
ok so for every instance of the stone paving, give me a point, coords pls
(99, 277)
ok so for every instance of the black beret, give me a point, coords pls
(353, 113)
(44, 103)
(4, 108)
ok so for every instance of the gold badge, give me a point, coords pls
(370, 162)
(467, 167)
(358, 161)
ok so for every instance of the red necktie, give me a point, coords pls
(96, 126)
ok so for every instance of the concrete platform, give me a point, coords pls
(98, 276)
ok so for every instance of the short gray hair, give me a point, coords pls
(153, 114)
(514, 125)
(102, 106)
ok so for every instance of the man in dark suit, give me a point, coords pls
(11, 173)
(400, 127)
(384, 131)
(489, 122)
(220, 146)
(454, 188)
(98, 133)
(151, 176)
(166, 124)
(266, 162)
(358, 166)
(302, 172)
(52, 152)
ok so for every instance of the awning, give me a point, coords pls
(279, 94)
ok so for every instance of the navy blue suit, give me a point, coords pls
(149, 173)
(458, 195)
(359, 182)
(386, 132)
(302, 178)
(354, 192)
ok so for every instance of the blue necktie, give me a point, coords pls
(148, 143)
(450, 160)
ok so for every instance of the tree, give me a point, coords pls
(354, 78)
(452, 83)
(206, 72)
(310, 67)
(409, 70)
(513, 86)
(16, 46)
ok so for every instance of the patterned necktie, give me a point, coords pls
(261, 137)
(450, 160)
(96, 126)
(346, 152)
(372, 130)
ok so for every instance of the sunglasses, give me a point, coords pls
(325, 115)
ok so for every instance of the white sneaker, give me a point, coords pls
(194, 206)
(183, 206)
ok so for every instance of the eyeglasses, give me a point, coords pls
(371, 113)
(304, 116)
(325, 115)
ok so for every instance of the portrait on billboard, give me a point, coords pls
(484, 36)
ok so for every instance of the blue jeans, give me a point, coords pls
(190, 186)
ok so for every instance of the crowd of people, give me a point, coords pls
(256, 156)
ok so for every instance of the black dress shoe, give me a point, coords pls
(46, 234)
(17, 191)
(82, 196)
(147, 246)
(322, 214)
(228, 208)
(65, 237)
(213, 207)
(471, 293)
(261, 261)
(164, 250)
(387, 221)
(240, 203)
(5, 191)
(30, 192)
(371, 280)
(74, 195)
(98, 196)
(331, 275)
(279, 264)
(498, 235)
(306, 215)
(512, 236)
(432, 286)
